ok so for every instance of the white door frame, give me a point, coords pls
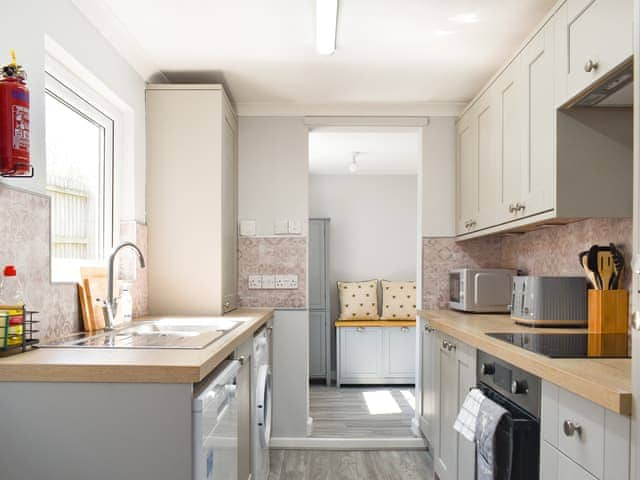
(635, 284)
(419, 123)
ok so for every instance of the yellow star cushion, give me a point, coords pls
(358, 300)
(398, 300)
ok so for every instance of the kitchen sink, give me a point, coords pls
(191, 333)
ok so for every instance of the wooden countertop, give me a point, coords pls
(375, 323)
(606, 382)
(130, 365)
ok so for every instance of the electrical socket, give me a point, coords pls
(287, 282)
(255, 282)
(268, 281)
(295, 227)
(281, 227)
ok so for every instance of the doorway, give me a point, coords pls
(364, 197)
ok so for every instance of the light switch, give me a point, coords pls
(248, 228)
(255, 282)
(268, 281)
(295, 227)
(281, 227)
(287, 282)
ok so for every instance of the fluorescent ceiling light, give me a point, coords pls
(326, 26)
(465, 18)
(443, 33)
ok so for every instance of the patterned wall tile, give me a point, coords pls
(24, 242)
(269, 255)
(548, 251)
(130, 271)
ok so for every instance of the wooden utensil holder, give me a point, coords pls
(608, 311)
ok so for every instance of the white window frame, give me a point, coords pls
(71, 99)
(82, 97)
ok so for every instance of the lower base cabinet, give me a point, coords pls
(454, 456)
(582, 440)
(376, 355)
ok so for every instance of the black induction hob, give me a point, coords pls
(570, 345)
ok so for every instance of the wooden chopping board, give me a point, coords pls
(94, 282)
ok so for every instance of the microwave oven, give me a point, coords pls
(486, 290)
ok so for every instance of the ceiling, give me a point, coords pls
(383, 151)
(398, 52)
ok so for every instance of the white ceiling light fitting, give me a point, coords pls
(326, 26)
(465, 18)
(353, 166)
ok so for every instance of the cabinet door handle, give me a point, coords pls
(360, 329)
(520, 207)
(590, 66)
(445, 344)
(227, 304)
(512, 208)
(570, 428)
(404, 329)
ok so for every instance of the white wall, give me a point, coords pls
(26, 22)
(438, 177)
(373, 227)
(272, 171)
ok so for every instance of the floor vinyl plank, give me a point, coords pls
(351, 465)
(344, 412)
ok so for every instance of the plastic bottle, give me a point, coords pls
(125, 304)
(11, 291)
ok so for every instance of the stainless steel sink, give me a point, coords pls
(190, 333)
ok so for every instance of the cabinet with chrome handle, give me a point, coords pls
(590, 66)
(570, 428)
(470, 224)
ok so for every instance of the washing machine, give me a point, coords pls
(261, 403)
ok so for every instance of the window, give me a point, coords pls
(80, 160)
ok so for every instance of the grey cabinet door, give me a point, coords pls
(317, 264)
(317, 342)
(399, 352)
(430, 387)
(360, 357)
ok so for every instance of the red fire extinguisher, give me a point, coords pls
(14, 120)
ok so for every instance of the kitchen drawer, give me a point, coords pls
(601, 445)
(556, 466)
(599, 31)
(585, 445)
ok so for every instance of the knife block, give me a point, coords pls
(608, 311)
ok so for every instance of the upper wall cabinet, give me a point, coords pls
(599, 36)
(191, 200)
(520, 160)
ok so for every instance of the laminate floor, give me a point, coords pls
(353, 465)
(361, 412)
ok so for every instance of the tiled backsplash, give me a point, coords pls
(270, 256)
(24, 242)
(548, 251)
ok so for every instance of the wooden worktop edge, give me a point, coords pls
(375, 323)
(145, 371)
(616, 400)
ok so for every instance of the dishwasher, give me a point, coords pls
(215, 425)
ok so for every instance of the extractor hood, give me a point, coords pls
(614, 89)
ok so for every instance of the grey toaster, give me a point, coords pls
(549, 301)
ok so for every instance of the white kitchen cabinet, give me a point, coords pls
(429, 420)
(509, 156)
(467, 173)
(376, 355)
(536, 64)
(599, 36)
(399, 351)
(521, 162)
(191, 200)
(454, 456)
(582, 438)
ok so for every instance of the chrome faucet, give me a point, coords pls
(110, 305)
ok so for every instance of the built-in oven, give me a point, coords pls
(519, 393)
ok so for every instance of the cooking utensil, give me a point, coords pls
(584, 262)
(592, 263)
(618, 263)
(606, 269)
